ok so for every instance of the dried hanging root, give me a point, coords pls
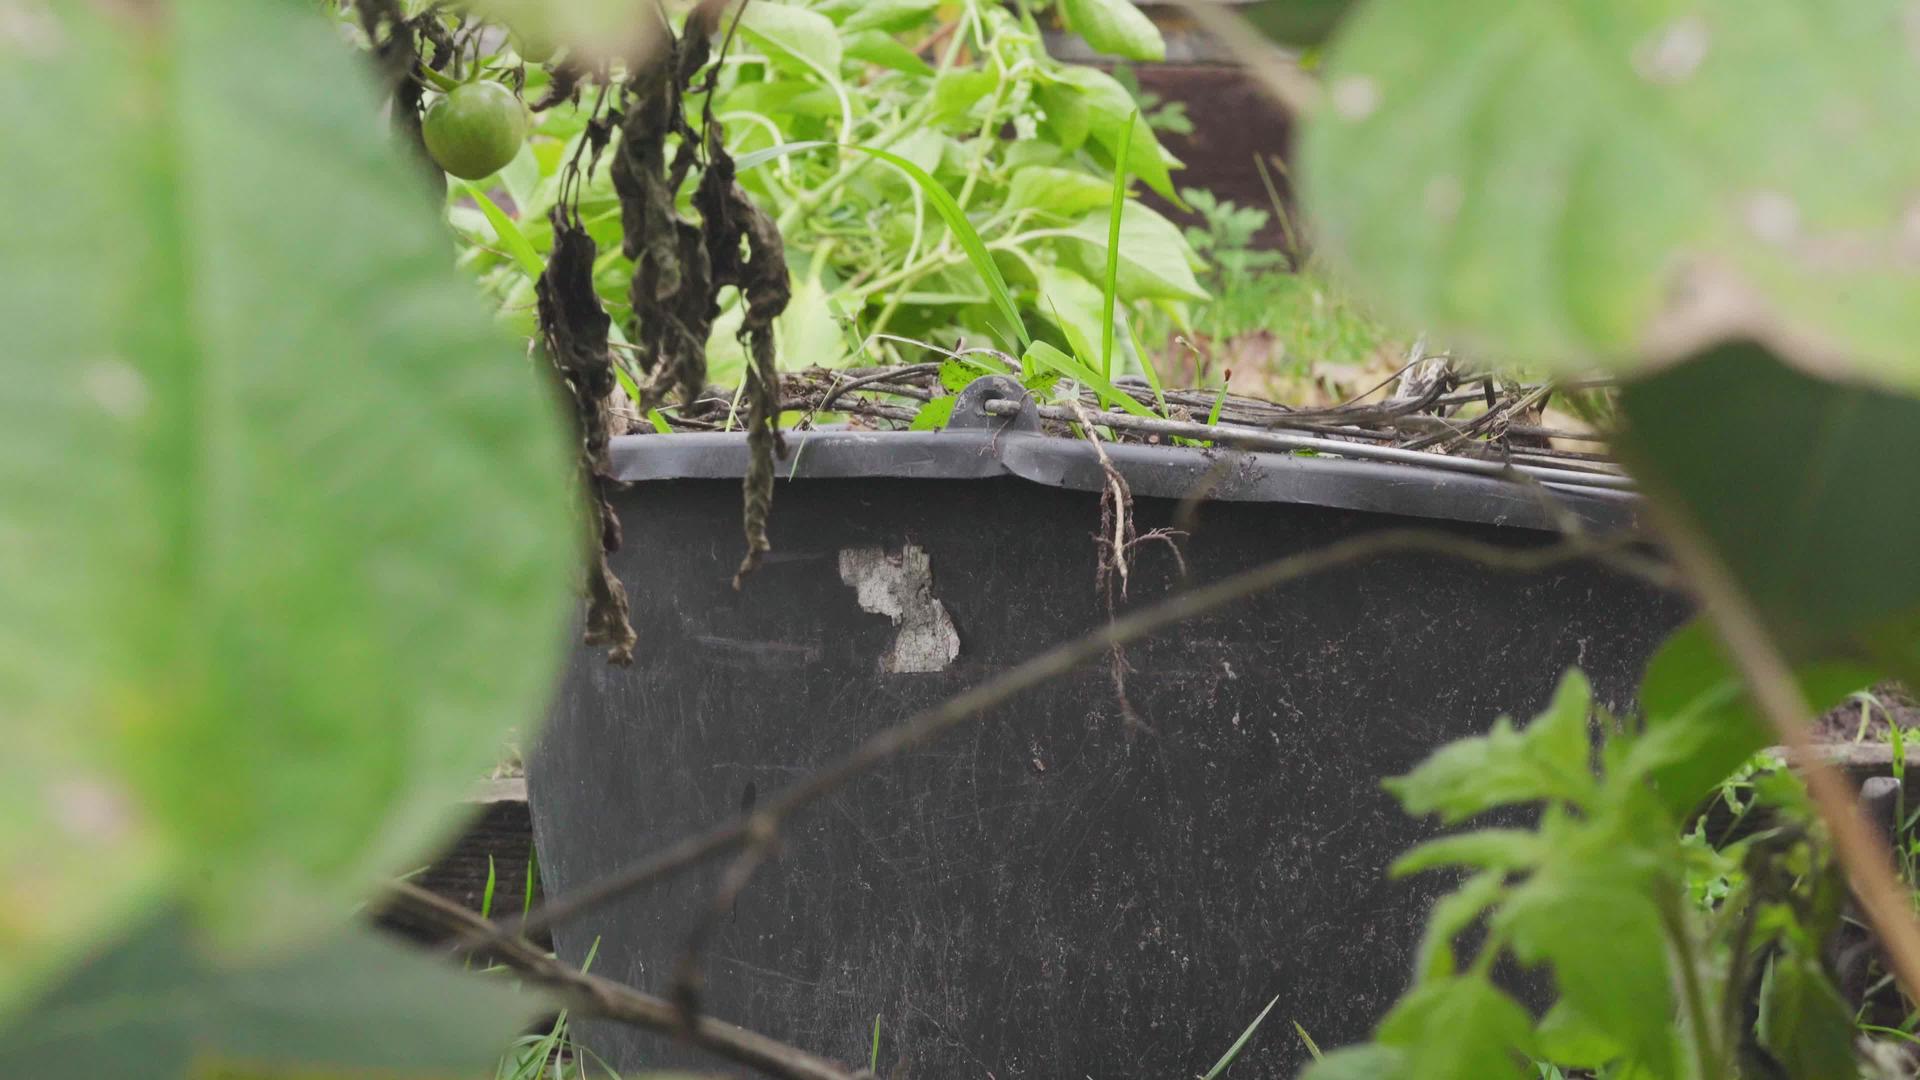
(574, 328)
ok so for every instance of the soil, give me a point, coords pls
(1842, 723)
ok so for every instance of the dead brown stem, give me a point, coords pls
(593, 995)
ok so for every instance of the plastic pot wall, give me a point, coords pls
(1050, 891)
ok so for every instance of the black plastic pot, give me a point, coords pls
(1051, 891)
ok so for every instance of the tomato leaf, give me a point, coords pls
(1586, 181)
(1115, 27)
(153, 1005)
(301, 528)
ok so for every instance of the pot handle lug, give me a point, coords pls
(970, 412)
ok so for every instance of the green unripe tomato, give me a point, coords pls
(475, 129)
(535, 45)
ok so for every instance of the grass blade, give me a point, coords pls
(486, 894)
(1308, 1039)
(509, 233)
(1109, 285)
(1239, 1044)
(943, 203)
(1053, 359)
(873, 1059)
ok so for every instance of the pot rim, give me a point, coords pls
(978, 446)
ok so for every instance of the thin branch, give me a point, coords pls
(931, 723)
(593, 995)
(1269, 440)
(1862, 852)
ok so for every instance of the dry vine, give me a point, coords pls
(680, 267)
(593, 995)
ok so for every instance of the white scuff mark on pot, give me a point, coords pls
(900, 586)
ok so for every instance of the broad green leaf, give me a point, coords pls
(599, 29)
(807, 331)
(934, 414)
(1115, 27)
(1805, 488)
(957, 375)
(1084, 102)
(884, 50)
(1700, 724)
(1073, 304)
(806, 334)
(1459, 1028)
(1549, 760)
(1481, 849)
(1363, 1063)
(877, 15)
(1563, 918)
(1572, 1041)
(1063, 193)
(299, 522)
(1153, 255)
(153, 1006)
(1804, 1023)
(1594, 182)
(956, 92)
(1451, 915)
(785, 30)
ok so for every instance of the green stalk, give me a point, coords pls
(1110, 284)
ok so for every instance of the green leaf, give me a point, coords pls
(784, 30)
(1572, 1041)
(1804, 1023)
(1084, 102)
(1073, 304)
(509, 234)
(1481, 849)
(956, 92)
(1700, 724)
(1110, 280)
(1547, 761)
(596, 29)
(884, 50)
(1042, 355)
(877, 15)
(1240, 1044)
(957, 375)
(299, 520)
(1804, 487)
(1153, 260)
(153, 1006)
(943, 203)
(1450, 917)
(1115, 27)
(1063, 193)
(1587, 181)
(1460, 1028)
(934, 414)
(1559, 918)
(1362, 1063)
